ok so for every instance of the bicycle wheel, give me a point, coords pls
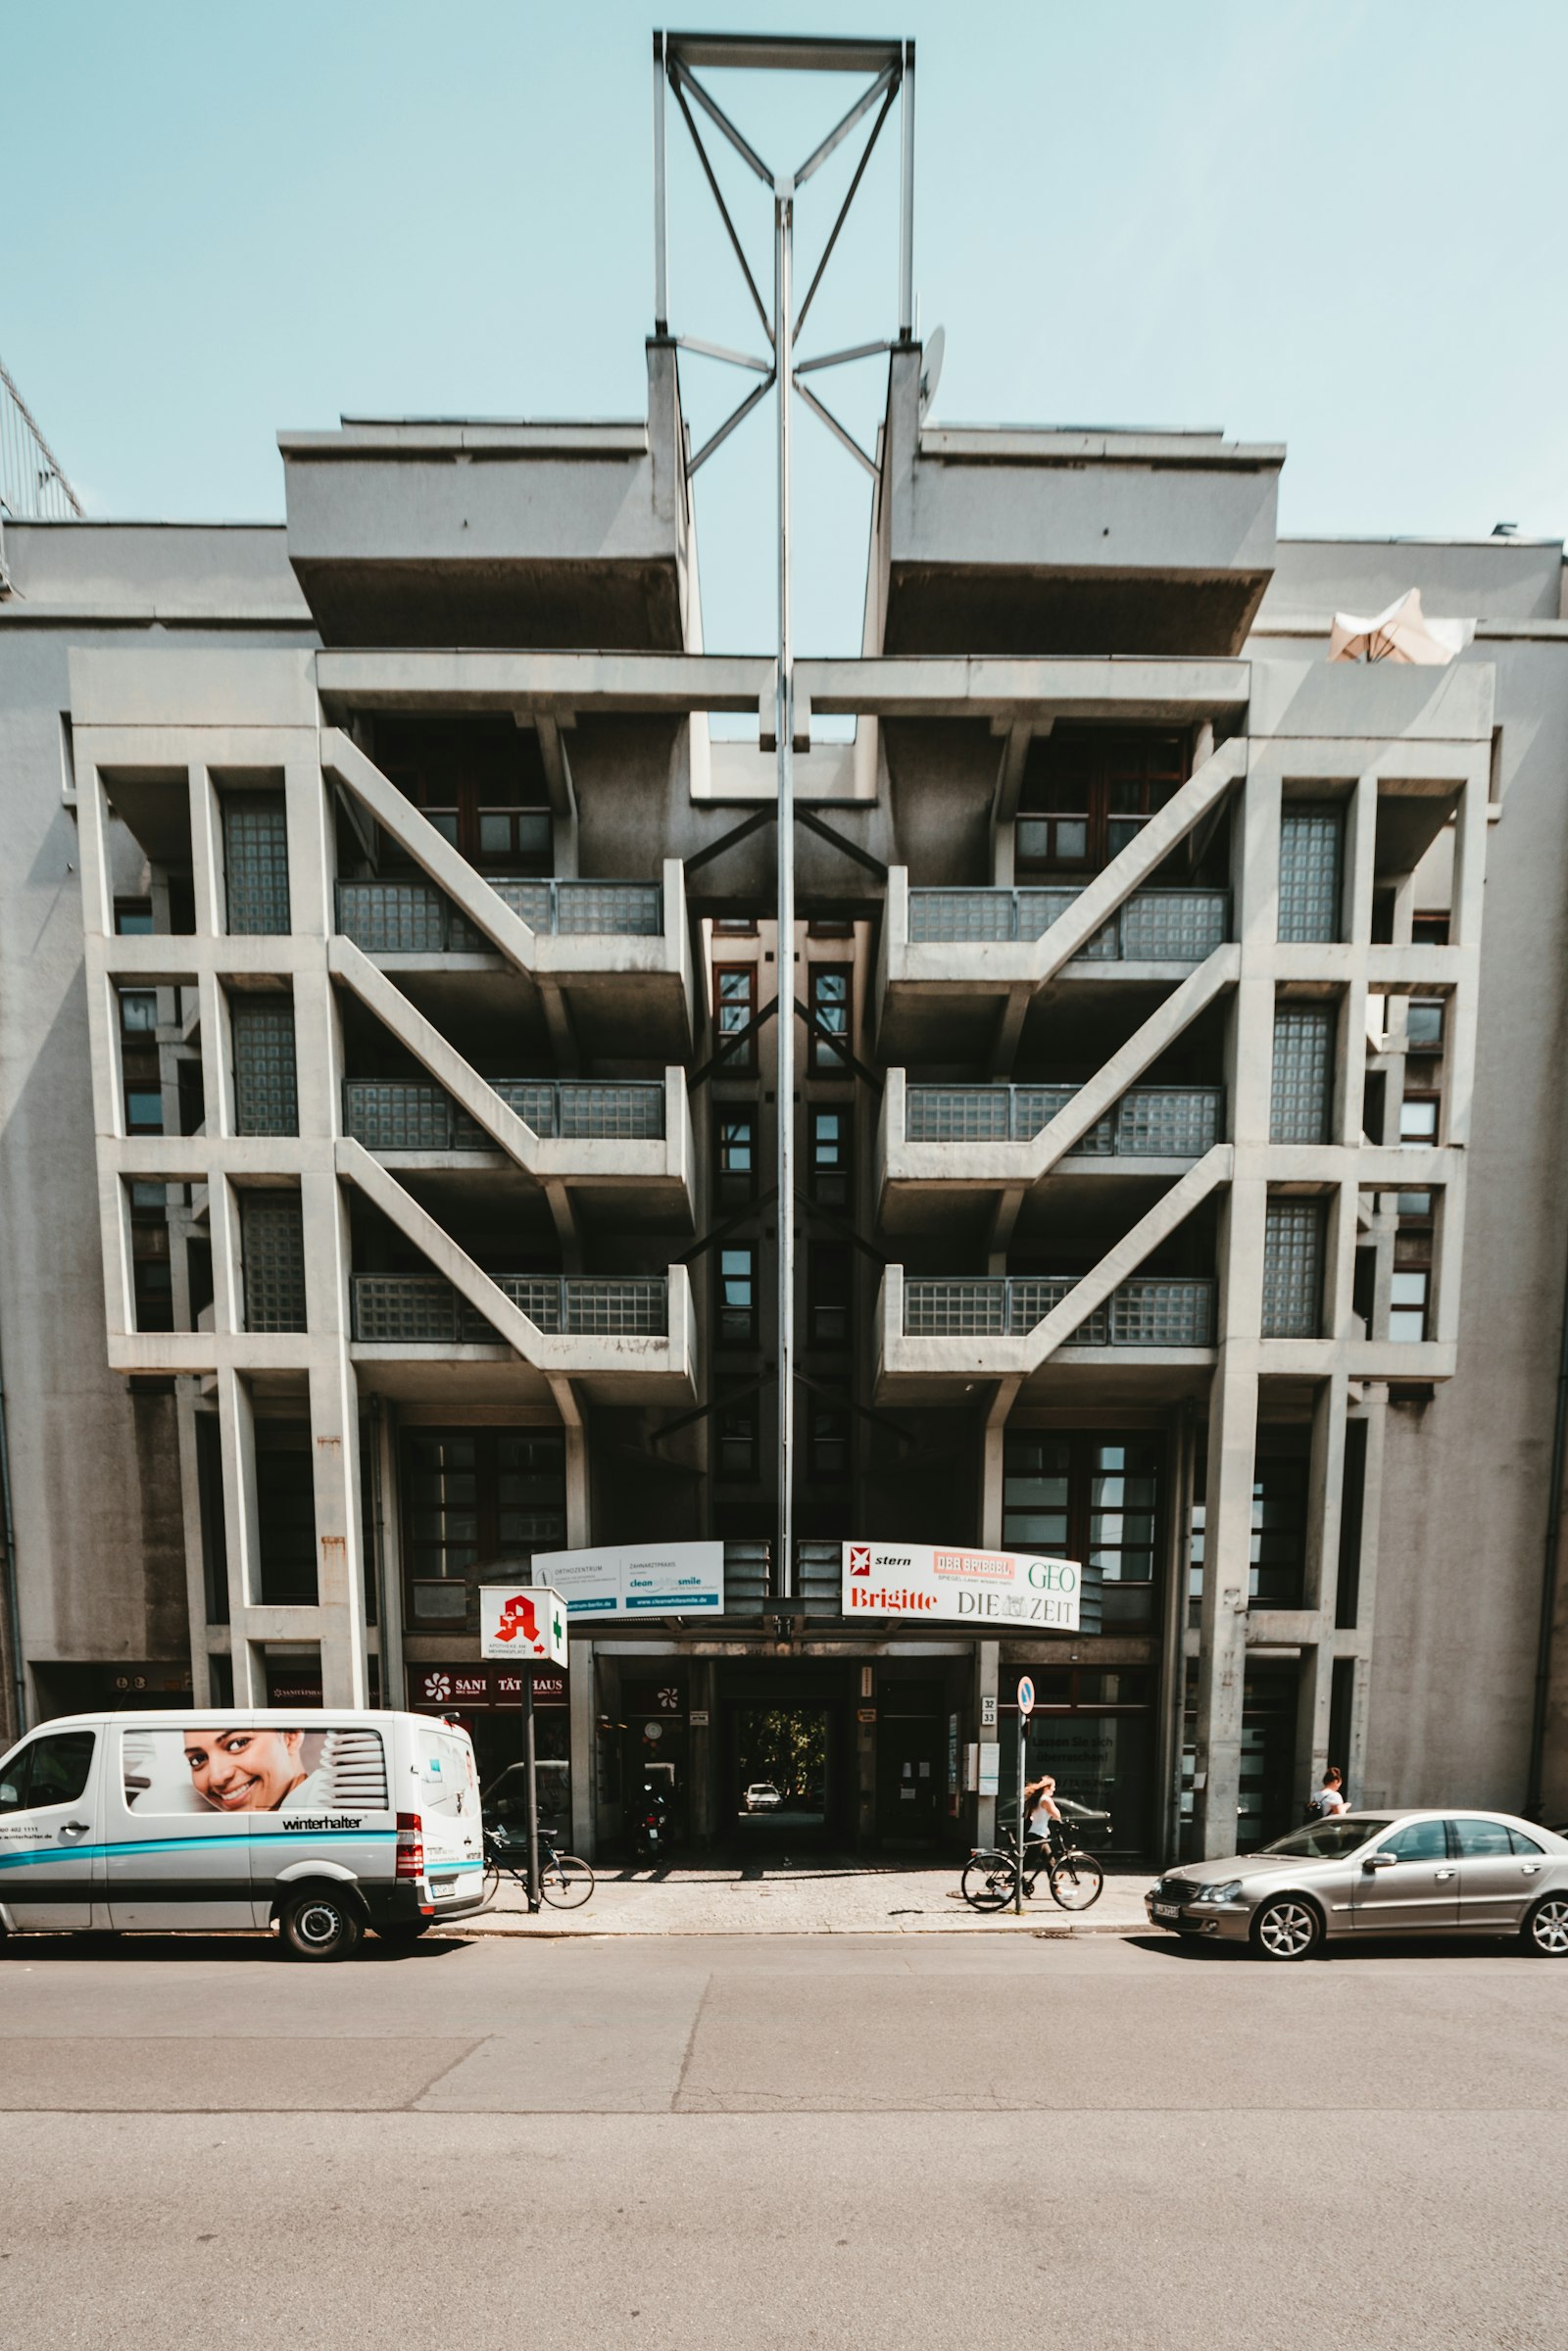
(565, 1882)
(1077, 1880)
(492, 1880)
(987, 1880)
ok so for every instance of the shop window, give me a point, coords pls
(734, 1009)
(474, 1499)
(737, 1156)
(831, 999)
(1086, 794)
(828, 1293)
(1277, 1559)
(830, 1158)
(1418, 1120)
(1409, 1298)
(737, 1297)
(285, 1513)
(1090, 1729)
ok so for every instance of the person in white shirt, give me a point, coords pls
(1330, 1797)
(1040, 1809)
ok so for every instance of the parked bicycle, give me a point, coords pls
(991, 1874)
(564, 1880)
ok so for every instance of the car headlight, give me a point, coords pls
(1219, 1894)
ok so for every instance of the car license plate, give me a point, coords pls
(1166, 1910)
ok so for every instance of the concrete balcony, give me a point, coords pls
(453, 531)
(623, 1339)
(1014, 539)
(977, 1327)
(629, 1142)
(978, 1138)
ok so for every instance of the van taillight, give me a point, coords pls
(411, 1846)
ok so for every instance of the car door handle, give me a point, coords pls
(1531, 1868)
(1442, 1874)
(75, 1828)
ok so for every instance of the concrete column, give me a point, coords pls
(195, 1548)
(582, 1698)
(578, 1512)
(986, 1666)
(237, 1429)
(702, 1749)
(335, 1445)
(1325, 1501)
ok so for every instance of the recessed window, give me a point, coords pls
(831, 985)
(1423, 1025)
(144, 1111)
(830, 1158)
(737, 1154)
(827, 1439)
(738, 1453)
(133, 917)
(827, 1288)
(737, 1297)
(1409, 1295)
(138, 1011)
(1430, 930)
(734, 1009)
(1418, 1120)
(1088, 793)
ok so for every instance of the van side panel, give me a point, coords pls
(175, 1860)
(337, 1821)
(50, 1827)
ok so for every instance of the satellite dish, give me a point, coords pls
(931, 372)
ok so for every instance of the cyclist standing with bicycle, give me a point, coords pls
(1039, 1809)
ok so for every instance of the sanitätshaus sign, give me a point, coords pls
(945, 1585)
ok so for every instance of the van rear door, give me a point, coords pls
(51, 1828)
(449, 1813)
(177, 1859)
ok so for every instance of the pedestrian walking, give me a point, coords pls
(1330, 1797)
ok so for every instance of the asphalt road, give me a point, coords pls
(736, 2142)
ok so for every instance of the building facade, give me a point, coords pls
(388, 1000)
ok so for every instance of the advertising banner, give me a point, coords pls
(523, 1623)
(946, 1585)
(637, 1579)
(476, 1688)
(227, 1767)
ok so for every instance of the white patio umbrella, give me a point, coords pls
(1403, 633)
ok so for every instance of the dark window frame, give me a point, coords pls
(742, 1061)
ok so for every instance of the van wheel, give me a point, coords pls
(320, 1924)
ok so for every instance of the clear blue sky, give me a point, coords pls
(1337, 226)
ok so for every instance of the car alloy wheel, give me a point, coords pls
(1287, 1929)
(1548, 1927)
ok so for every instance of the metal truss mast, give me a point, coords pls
(889, 66)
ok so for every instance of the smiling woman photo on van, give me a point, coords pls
(239, 1769)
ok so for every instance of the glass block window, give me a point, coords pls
(1303, 1069)
(1036, 1480)
(1293, 1269)
(1312, 859)
(265, 1097)
(256, 862)
(273, 1243)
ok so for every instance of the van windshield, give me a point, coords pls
(1329, 1841)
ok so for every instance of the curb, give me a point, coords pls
(522, 1934)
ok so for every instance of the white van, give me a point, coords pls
(236, 1817)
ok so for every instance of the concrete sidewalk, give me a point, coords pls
(818, 1897)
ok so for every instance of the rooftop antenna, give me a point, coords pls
(889, 67)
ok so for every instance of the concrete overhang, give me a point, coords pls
(452, 531)
(1009, 539)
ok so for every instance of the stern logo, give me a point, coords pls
(860, 1560)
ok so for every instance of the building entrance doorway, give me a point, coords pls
(784, 1755)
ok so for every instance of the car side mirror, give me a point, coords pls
(1379, 1861)
(9, 1801)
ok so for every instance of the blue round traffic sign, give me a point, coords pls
(1026, 1696)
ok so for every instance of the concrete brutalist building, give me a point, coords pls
(387, 995)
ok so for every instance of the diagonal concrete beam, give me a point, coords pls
(434, 1242)
(431, 851)
(424, 1040)
(1126, 1065)
(1172, 1208)
(1150, 847)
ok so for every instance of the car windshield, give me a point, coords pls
(1329, 1839)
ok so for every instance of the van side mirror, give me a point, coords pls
(1379, 1861)
(10, 1802)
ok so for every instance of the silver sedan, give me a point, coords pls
(1383, 1873)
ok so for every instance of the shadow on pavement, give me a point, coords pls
(238, 1949)
(1341, 1950)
